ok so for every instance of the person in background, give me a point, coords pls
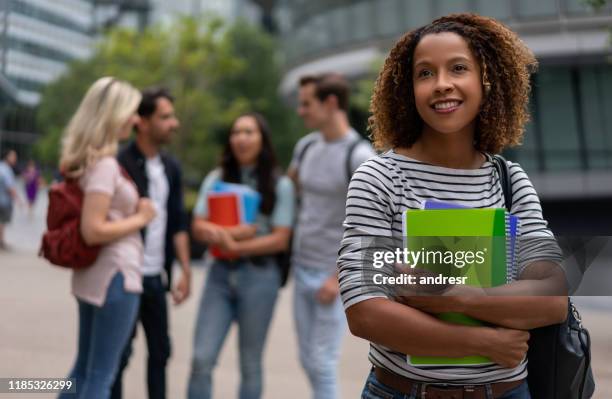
(158, 177)
(108, 291)
(321, 167)
(8, 192)
(243, 289)
(32, 180)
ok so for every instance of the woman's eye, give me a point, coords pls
(424, 73)
(459, 68)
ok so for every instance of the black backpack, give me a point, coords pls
(559, 355)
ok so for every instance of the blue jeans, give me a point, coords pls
(320, 329)
(373, 389)
(103, 334)
(241, 292)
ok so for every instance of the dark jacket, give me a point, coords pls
(133, 161)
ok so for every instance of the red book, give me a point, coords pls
(224, 210)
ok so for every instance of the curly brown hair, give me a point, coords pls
(505, 63)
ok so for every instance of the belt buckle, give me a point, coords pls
(469, 391)
(466, 389)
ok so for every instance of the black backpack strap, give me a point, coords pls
(302, 153)
(349, 156)
(347, 162)
(501, 165)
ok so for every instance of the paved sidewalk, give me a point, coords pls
(38, 332)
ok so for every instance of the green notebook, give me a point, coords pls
(444, 237)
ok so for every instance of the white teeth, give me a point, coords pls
(446, 105)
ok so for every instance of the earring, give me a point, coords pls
(485, 80)
(487, 87)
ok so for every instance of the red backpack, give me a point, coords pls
(62, 244)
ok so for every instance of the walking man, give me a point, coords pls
(157, 176)
(323, 162)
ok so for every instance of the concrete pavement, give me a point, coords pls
(39, 326)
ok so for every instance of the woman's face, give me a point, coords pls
(447, 83)
(128, 126)
(246, 140)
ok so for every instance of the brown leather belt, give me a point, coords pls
(427, 391)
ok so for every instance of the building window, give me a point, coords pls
(578, 7)
(388, 15)
(418, 13)
(361, 20)
(529, 9)
(558, 119)
(340, 26)
(595, 85)
(445, 7)
(499, 9)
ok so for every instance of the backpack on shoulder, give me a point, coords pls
(284, 258)
(559, 355)
(62, 244)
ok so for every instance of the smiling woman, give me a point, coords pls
(493, 57)
(449, 95)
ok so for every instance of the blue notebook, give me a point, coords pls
(249, 199)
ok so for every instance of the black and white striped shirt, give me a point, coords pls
(385, 186)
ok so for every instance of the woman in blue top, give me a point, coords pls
(242, 290)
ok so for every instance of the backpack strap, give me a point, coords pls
(349, 156)
(347, 162)
(501, 165)
(302, 153)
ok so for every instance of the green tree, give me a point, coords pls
(215, 72)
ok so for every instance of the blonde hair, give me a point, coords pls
(93, 130)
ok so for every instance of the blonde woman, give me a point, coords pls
(108, 291)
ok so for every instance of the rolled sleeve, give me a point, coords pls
(201, 206)
(102, 177)
(367, 225)
(537, 242)
(283, 214)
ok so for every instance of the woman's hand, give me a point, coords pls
(146, 210)
(226, 242)
(207, 232)
(329, 290)
(242, 231)
(504, 346)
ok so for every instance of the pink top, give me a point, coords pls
(123, 255)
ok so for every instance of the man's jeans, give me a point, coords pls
(320, 329)
(241, 292)
(154, 318)
(375, 390)
(103, 334)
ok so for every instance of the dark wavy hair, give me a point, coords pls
(506, 65)
(266, 170)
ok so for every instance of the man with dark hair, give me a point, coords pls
(157, 176)
(8, 193)
(322, 165)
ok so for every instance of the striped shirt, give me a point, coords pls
(385, 186)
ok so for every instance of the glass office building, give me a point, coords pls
(568, 146)
(39, 37)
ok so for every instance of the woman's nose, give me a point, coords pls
(443, 83)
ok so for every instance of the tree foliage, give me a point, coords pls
(214, 71)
